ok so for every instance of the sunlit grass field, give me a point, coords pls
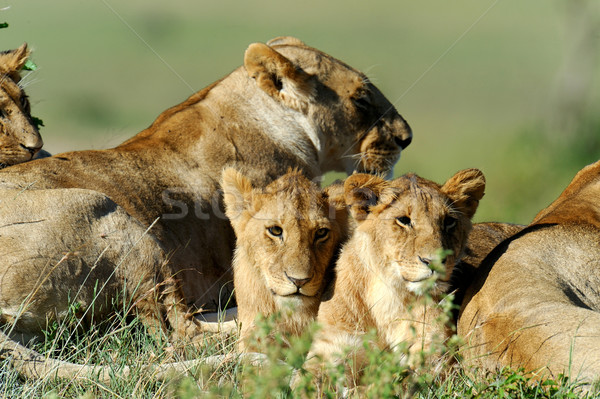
(479, 82)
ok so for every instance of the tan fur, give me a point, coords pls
(281, 273)
(535, 301)
(19, 137)
(383, 267)
(145, 221)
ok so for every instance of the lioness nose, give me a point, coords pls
(298, 282)
(403, 142)
(403, 133)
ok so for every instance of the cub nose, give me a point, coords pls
(298, 282)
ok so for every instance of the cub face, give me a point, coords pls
(405, 222)
(287, 234)
(19, 137)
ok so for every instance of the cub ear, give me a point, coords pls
(12, 61)
(278, 77)
(361, 192)
(465, 189)
(237, 193)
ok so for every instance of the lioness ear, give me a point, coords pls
(465, 189)
(278, 77)
(12, 61)
(361, 192)
(237, 193)
(285, 41)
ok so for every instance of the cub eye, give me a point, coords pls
(321, 234)
(275, 231)
(450, 223)
(403, 220)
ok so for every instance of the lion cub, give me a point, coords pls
(20, 139)
(287, 235)
(385, 265)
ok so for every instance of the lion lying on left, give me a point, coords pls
(148, 213)
(143, 224)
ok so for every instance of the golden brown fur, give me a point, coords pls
(144, 221)
(19, 136)
(483, 238)
(287, 235)
(385, 265)
(535, 303)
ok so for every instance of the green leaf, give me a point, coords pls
(37, 122)
(3, 25)
(29, 66)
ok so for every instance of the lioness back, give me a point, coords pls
(287, 235)
(388, 262)
(19, 136)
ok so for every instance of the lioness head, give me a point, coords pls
(404, 222)
(354, 126)
(287, 234)
(19, 137)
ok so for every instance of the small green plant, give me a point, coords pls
(400, 372)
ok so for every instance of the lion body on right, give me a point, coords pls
(387, 264)
(535, 302)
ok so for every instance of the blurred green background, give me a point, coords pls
(506, 86)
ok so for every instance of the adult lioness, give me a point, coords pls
(19, 136)
(147, 214)
(536, 302)
(385, 265)
(287, 235)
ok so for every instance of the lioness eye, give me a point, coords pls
(362, 102)
(275, 231)
(449, 223)
(403, 220)
(321, 233)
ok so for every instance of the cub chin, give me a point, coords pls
(388, 262)
(287, 234)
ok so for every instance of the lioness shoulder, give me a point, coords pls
(287, 235)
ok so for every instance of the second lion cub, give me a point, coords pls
(385, 265)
